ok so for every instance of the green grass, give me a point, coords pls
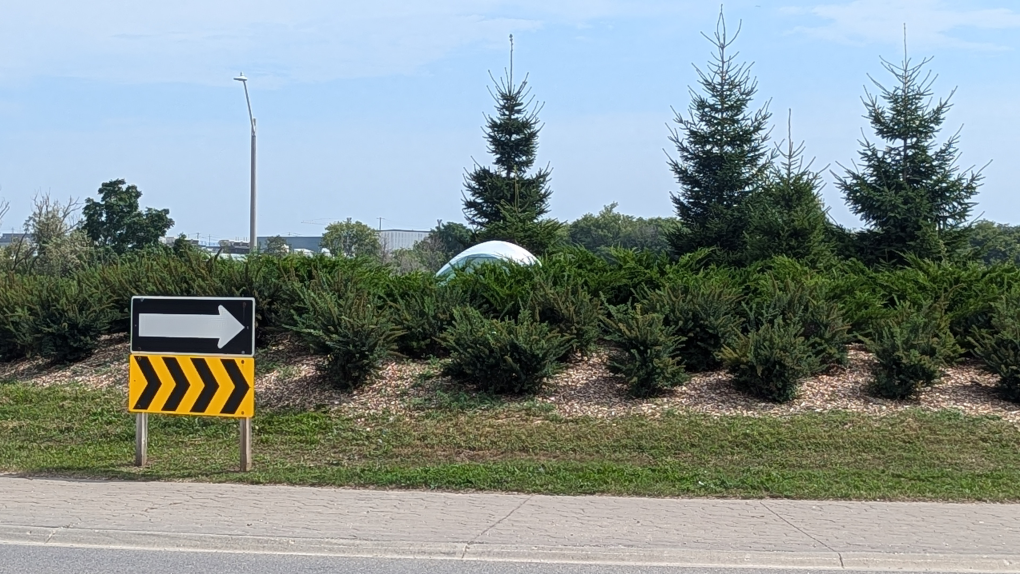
(476, 443)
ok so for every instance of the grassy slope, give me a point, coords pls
(917, 455)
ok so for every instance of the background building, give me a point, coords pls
(391, 240)
(6, 239)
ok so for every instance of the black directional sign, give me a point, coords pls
(193, 326)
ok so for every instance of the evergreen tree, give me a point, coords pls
(723, 155)
(522, 228)
(909, 191)
(787, 216)
(501, 199)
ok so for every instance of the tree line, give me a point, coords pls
(741, 195)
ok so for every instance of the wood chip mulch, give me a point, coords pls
(288, 377)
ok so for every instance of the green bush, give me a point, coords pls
(571, 311)
(555, 294)
(624, 272)
(497, 289)
(267, 279)
(349, 329)
(66, 319)
(999, 348)
(966, 292)
(647, 348)
(851, 284)
(151, 273)
(15, 326)
(703, 313)
(423, 310)
(911, 348)
(975, 301)
(502, 356)
(771, 361)
(806, 306)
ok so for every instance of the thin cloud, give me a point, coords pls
(930, 23)
(203, 41)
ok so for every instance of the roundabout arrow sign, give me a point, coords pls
(222, 326)
(192, 356)
(193, 325)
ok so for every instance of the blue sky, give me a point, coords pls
(374, 109)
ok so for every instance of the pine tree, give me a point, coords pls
(910, 193)
(505, 197)
(787, 216)
(723, 155)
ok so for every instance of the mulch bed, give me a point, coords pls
(288, 377)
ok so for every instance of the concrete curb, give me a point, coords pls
(623, 555)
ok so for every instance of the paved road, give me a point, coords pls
(61, 560)
(504, 527)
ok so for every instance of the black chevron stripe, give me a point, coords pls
(211, 386)
(181, 385)
(241, 387)
(152, 383)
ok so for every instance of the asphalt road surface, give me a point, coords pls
(70, 526)
(40, 559)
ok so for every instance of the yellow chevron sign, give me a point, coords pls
(185, 385)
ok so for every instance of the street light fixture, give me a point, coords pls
(252, 238)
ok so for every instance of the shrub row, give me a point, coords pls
(58, 319)
(771, 325)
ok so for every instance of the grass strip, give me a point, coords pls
(915, 455)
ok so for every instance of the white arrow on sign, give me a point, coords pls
(223, 327)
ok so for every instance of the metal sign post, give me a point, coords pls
(141, 439)
(192, 356)
(245, 429)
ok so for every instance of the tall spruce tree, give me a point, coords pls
(723, 155)
(505, 201)
(909, 191)
(787, 215)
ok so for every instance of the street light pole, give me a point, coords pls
(253, 247)
(253, 240)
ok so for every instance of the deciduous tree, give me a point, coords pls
(351, 239)
(116, 221)
(277, 245)
(610, 228)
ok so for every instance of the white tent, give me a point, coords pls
(488, 252)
